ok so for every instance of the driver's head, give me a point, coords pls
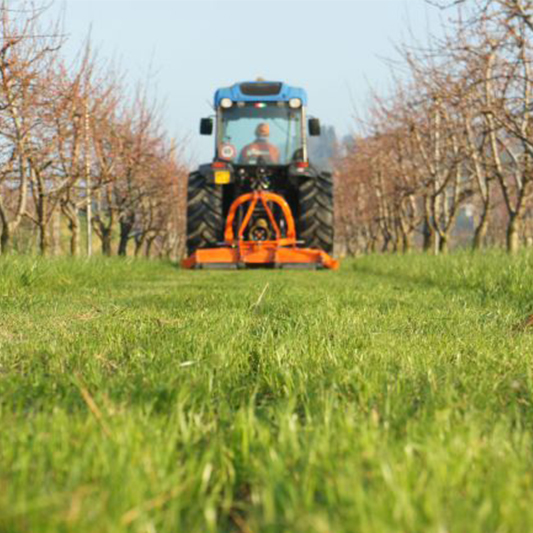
(262, 131)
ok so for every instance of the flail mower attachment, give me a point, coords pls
(281, 252)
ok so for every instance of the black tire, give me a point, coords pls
(315, 222)
(205, 221)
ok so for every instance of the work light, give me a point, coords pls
(295, 103)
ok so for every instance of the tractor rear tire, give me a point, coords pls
(205, 221)
(315, 223)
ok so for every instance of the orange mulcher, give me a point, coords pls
(260, 250)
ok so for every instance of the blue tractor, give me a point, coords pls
(261, 130)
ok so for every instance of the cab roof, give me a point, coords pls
(260, 91)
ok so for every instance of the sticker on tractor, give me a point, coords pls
(227, 152)
(222, 177)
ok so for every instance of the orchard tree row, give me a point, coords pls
(454, 137)
(79, 150)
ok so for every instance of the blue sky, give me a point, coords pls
(334, 49)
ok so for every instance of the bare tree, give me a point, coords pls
(27, 49)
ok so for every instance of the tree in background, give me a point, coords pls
(71, 142)
(456, 126)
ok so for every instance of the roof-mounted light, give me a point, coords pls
(226, 103)
(295, 103)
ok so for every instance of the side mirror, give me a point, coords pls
(206, 126)
(314, 127)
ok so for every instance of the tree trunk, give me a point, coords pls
(406, 242)
(71, 212)
(481, 232)
(125, 230)
(40, 208)
(44, 241)
(443, 243)
(386, 241)
(148, 249)
(427, 235)
(56, 233)
(5, 239)
(513, 234)
(106, 241)
(395, 240)
(138, 245)
(74, 226)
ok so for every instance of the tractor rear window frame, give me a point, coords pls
(260, 89)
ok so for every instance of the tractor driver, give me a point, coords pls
(261, 147)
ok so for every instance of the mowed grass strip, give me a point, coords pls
(393, 395)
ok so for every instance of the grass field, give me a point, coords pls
(393, 395)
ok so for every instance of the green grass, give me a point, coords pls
(393, 395)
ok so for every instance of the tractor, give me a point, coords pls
(260, 202)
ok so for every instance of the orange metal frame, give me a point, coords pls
(237, 252)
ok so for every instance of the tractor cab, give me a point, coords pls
(261, 124)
